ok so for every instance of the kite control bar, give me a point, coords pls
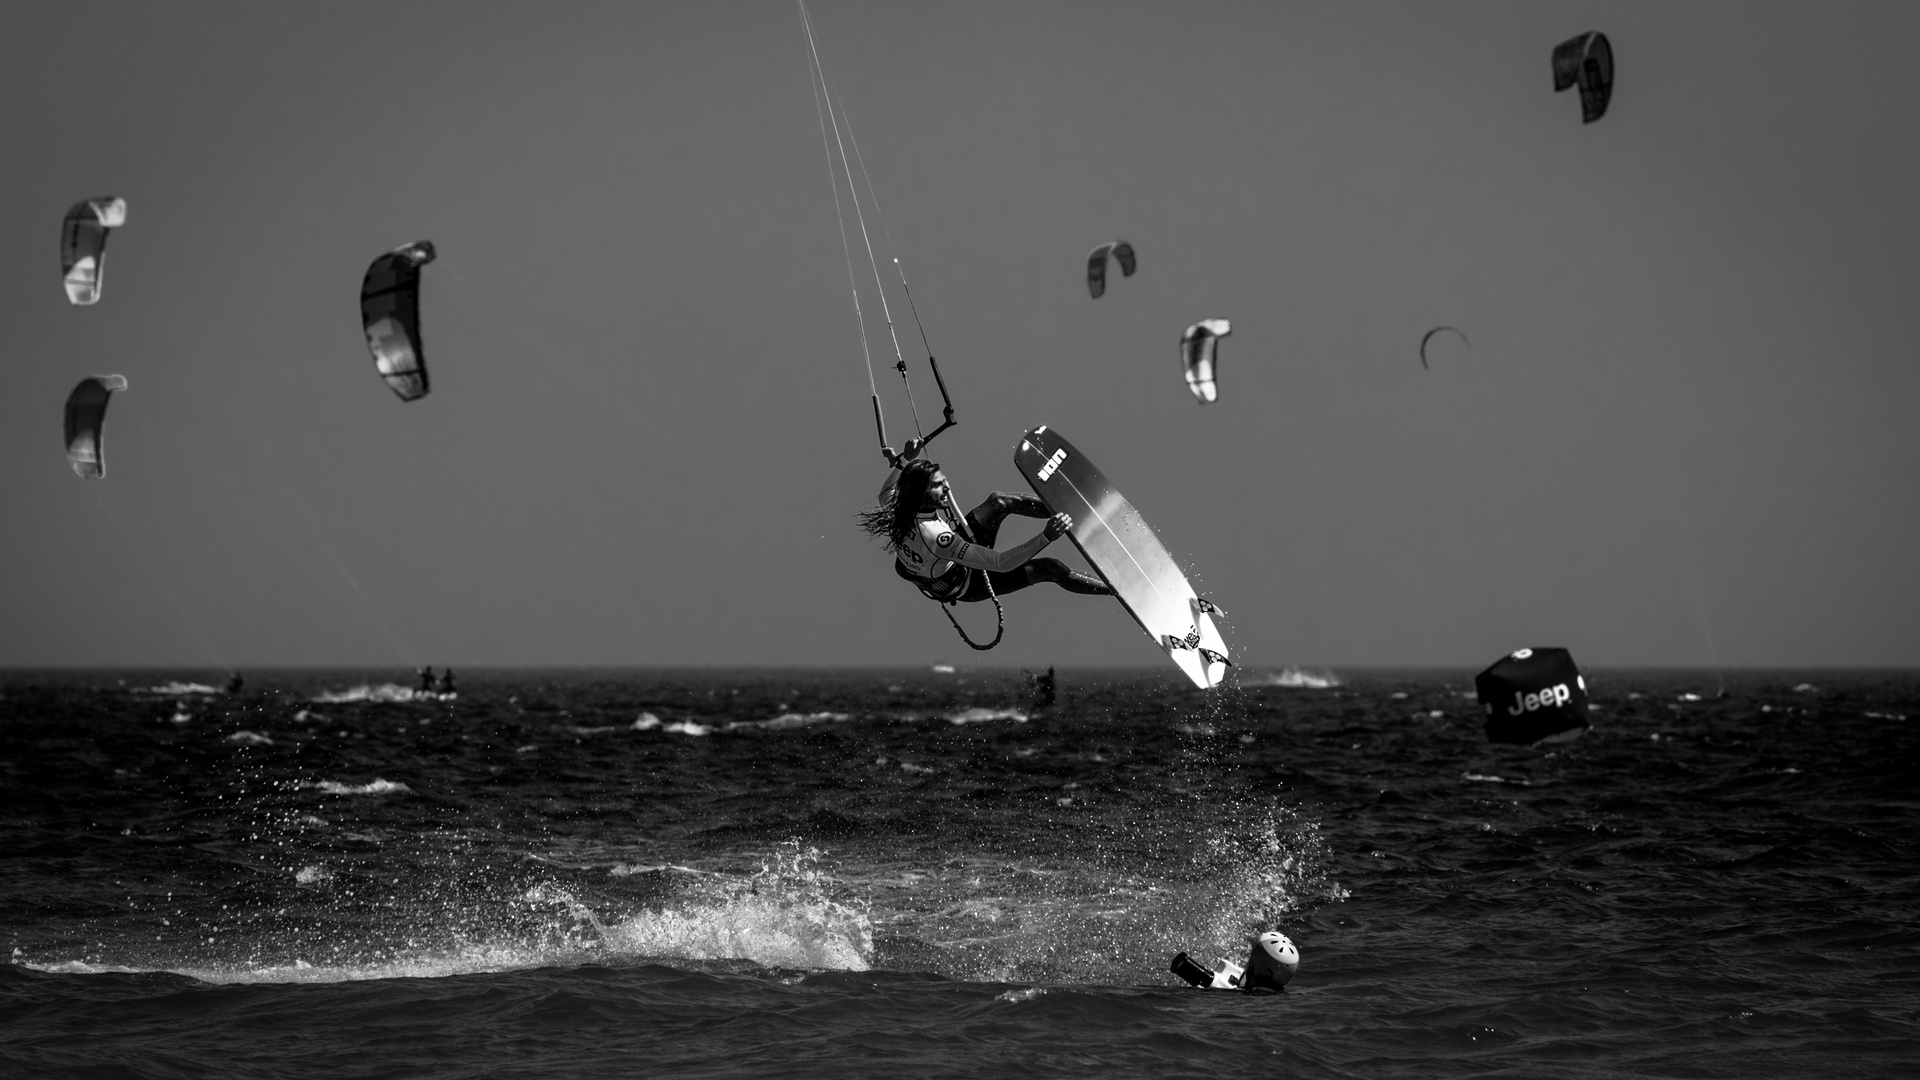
(946, 401)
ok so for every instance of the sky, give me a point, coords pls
(1683, 433)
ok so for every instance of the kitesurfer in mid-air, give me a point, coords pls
(939, 554)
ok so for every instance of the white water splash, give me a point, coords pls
(779, 917)
(1300, 679)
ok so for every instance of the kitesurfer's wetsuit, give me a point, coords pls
(940, 561)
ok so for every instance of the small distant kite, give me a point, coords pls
(1199, 347)
(390, 313)
(1429, 337)
(1588, 61)
(1097, 265)
(86, 413)
(83, 246)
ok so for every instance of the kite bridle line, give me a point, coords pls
(827, 116)
(816, 80)
(824, 113)
(946, 399)
(824, 93)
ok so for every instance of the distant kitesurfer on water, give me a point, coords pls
(426, 680)
(939, 553)
(446, 681)
(234, 683)
(1043, 689)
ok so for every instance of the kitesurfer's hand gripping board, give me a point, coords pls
(1121, 548)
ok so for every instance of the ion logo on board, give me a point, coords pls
(1053, 463)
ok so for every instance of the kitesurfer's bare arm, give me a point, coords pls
(950, 545)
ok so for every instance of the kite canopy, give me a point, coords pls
(86, 412)
(83, 245)
(1531, 695)
(1097, 265)
(390, 313)
(1198, 347)
(1429, 337)
(1586, 60)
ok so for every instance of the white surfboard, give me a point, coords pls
(1121, 548)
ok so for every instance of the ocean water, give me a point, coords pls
(889, 872)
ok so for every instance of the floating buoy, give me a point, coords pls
(1533, 695)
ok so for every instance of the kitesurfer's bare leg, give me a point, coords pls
(1039, 570)
(985, 519)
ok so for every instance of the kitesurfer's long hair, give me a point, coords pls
(894, 519)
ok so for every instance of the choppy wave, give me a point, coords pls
(365, 692)
(177, 689)
(374, 787)
(792, 720)
(1487, 778)
(1075, 855)
(650, 722)
(1299, 679)
(979, 715)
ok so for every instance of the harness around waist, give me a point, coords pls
(947, 588)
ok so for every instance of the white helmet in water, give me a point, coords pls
(1272, 962)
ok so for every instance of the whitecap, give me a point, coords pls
(982, 716)
(688, 727)
(646, 722)
(630, 869)
(1295, 678)
(791, 720)
(250, 738)
(178, 688)
(943, 669)
(377, 787)
(1486, 779)
(369, 692)
(313, 875)
(79, 967)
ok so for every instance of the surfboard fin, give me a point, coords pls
(1212, 657)
(1202, 604)
(1174, 641)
